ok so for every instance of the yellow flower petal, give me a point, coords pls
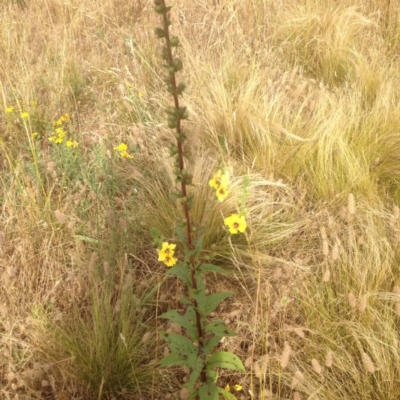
(236, 223)
(222, 192)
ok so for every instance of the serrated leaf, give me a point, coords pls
(208, 390)
(211, 268)
(198, 247)
(197, 368)
(225, 359)
(179, 231)
(182, 347)
(199, 295)
(213, 333)
(171, 360)
(213, 301)
(185, 318)
(226, 395)
(182, 271)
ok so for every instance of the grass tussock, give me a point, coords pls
(298, 101)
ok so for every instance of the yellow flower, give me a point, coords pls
(235, 223)
(167, 250)
(166, 254)
(222, 192)
(10, 110)
(219, 179)
(61, 134)
(170, 261)
(238, 388)
(58, 140)
(140, 94)
(74, 144)
(24, 115)
(52, 138)
(64, 118)
(228, 388)
(34, 134)
(125, 154)
(122, 147)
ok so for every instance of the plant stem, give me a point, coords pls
(179, 139)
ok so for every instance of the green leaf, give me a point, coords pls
(226, 395)
(198, 247)
(184, 352)
(185, 318)
(197, 368)
(208, 391)
(224, 359)
(199, 295)
(181, 235)
(172, 359)
(213, 333)
(182, 271)
(213, 301)
(211, 268)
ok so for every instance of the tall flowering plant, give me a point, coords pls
(197, 349)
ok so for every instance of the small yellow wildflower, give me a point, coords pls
(125, 154)
(166, 254)
(167, 249)
(228, 388)
(52, 138)
(121, 147)
(123, 150)
(235, 223)
(59, 140)
(60, 132)
(24, 115)
(222, 192)
(238, 388)
(74, 144)
(34, 134)
(219, 179)
(170, 261)
(10, 110)
(140, 94)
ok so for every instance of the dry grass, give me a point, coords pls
(301, 97)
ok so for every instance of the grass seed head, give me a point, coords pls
(287, 350)
(351, 204)
(368, 364)
(316, 366)
(327, 276)
(352, 300)
(329, 359)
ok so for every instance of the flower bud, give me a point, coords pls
(160, 33)
(174, 42)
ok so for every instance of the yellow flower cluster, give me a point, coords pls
(238, 388)
(122, 149)
(166, 254)
(10, 110)
(220, 182)
(62, 120)
(60, 134)
(58, 138)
